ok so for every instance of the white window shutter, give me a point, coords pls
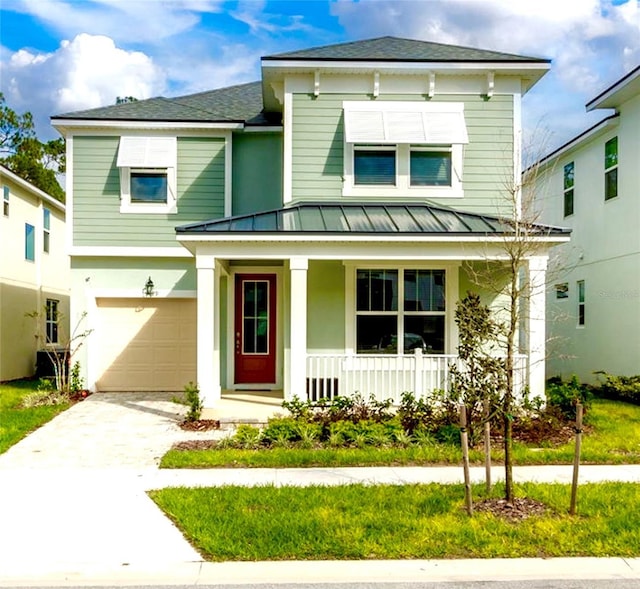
(147, 152)
(364, 127)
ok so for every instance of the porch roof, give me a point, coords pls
(363, 219)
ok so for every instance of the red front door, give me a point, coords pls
(255, 329)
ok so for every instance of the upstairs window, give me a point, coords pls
(5, 201)
(29, 242)
(147, 174)
(403, 149)
(569, 171)
(611, 168)
(46, 230)
(581, 303)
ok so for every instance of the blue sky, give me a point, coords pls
(62, 55)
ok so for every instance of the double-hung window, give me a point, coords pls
(581, 303)
(400, 310)
(5, 201)
(46, 230)
(51, 321)
(611, 168)
(403, 148)
(569, 173)
(147, 174)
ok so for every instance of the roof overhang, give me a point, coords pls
(624, 89)
(32, 189)
(66, 126)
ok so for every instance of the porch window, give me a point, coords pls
(398, 311)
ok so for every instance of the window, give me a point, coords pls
(569, 170)
(51, 321)
(46, 230)
(581, 302)
(5, 201)
(562, 291)
(147, 174)
(29, 242)
(611, 168)
(394, 306)
(403, 148)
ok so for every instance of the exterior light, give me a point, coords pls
(148, 290)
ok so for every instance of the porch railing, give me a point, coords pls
(386, 376)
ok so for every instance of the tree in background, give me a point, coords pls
(28, 157)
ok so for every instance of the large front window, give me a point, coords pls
(398, 311)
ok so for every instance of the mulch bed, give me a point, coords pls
(514, 511)
(200, 425)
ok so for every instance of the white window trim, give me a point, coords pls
(145, 162)
(451, 296)
(403, 186)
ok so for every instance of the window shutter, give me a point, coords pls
(147, 152)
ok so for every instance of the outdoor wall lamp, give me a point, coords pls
(148, 290)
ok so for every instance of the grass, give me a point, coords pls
(17, 422)
(614, 438)
(398, 522)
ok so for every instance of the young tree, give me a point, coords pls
(25, 155)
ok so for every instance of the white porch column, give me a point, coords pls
(298, 267)
(208, 360)
(536, 340)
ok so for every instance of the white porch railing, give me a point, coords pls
(386, 376)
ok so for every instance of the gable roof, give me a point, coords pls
(364, 219)
(398, 49)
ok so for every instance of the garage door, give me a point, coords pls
(145, 344)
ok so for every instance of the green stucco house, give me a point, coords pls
(310, 232)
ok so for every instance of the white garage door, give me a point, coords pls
(145, 344)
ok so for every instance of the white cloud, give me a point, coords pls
(87, 72)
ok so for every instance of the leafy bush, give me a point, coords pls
(448, 434)
(247, 437)
(564, 396)
(76, 382)
(619, 388)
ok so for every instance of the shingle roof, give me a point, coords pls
(374, 219)
(242, 103)
(396, 49)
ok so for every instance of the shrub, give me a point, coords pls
(281, 430)
(76, 382)
(565, 395)
(247, 437)
(193, 400)
(448, 434)
(620, 388)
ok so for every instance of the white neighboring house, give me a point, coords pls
(592, 185)
(34, 273)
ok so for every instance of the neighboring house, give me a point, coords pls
(34, 274)
(592, 184)
(308, 232)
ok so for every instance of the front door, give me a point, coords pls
(255, 329)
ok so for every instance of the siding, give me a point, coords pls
(97, 220)
(488, 158)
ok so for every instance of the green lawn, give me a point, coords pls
(399, 522)
(613, 438)
(16, 422)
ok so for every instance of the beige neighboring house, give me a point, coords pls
(592, 185)
(34, 274)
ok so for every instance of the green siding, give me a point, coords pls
(257, 172)
(97, 220)
(488, 158)
(326, 304)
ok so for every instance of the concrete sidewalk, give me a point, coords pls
(74, 509)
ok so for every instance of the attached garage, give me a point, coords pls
(145, 344)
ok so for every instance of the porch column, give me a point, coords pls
(536, 340)
(208, 361)
(298, 328)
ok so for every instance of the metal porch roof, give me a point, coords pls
(363, 219)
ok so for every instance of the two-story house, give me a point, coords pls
(310, 232)
(591, 184)
(34, 275)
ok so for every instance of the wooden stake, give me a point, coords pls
(576, 459)
(487, 446)
(464, 438)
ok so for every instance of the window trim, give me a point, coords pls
(53, 322)
(5, 200)
(46, 230)
(146, 154)
(610, 169)
(580, 290)
(568, 184)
